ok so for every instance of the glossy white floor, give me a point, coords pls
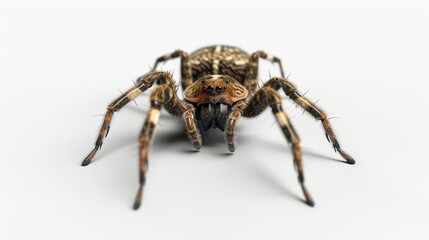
(62, 64)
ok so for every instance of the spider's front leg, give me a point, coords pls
(163, 95)
(152, 116)
(143, 83)
(291, 91)
(268, 96)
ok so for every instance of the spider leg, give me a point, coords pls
(256, 105)
(236, 112)
(293, 138)
(163, 95)
(183, 109)
(291, 91)
(152, 116)
(268, 96)
(185, 65)
(251, 82)
(142, 84)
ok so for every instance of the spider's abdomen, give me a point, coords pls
(219, 60)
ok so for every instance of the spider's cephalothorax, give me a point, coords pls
(220, 86)
(214, 95)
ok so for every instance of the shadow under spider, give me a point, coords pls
(270, 181)
(210, 138)
(305, 151)
(175, 133)
(309, 152)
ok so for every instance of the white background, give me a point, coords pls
(61, 64)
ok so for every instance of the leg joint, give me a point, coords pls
(179, 53)
(276, 108)
(142, 178)
(301, 178)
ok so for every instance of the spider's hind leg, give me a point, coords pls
(186, 72)
(251, 82)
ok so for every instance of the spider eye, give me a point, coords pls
(218, 89)
(210, 89)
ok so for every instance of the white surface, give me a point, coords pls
(62, 64)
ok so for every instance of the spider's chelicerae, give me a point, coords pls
(220, 85)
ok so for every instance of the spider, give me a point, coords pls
(220, 85)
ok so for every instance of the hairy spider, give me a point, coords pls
(220, 86)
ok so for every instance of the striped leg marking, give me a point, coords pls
(163, 95)
(142, 84)
(191, 126)
(267, 96)
(251, 82)
(185, 65)
(159, 96)
(292, 137)
(230, 124)
(145, 137)
(271, 58)
(312, 109)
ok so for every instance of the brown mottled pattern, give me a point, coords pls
(232, 61)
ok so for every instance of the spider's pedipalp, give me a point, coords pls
(191, 127)
(236, 112)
